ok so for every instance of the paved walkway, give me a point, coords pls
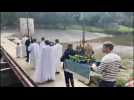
(28, 69)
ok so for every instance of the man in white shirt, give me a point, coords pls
(109, 67)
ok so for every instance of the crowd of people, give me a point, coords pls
(46, 58)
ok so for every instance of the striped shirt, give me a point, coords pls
(109, 67)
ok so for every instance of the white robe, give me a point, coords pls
(51, 54)
(18, 51)
(23, 46)
(42, 73)
(42, 43)
(34, 56)
(47, 63)
(58, 56)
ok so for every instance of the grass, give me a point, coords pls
(75, 27)
(126, 40)
(94, 29)
(123, 40)
(125, 29)
(88, 28)
(121, 29)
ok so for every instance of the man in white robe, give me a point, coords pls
(18, 50)
(47, 62)
(58, 55)
(52, 52)
(42, 43)
(23, 46)
(34, 50)
(34, 53)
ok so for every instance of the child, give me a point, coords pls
(18, 50)
(68, 76)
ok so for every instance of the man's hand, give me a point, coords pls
(122, 67)
(93, 67)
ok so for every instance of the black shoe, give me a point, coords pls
(67, 85)
(57, 72)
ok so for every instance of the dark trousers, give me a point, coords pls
(103, 83)
(27, 55)
(69, 78)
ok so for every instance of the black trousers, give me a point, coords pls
(69, 78)
(104, 83)
(27, 55)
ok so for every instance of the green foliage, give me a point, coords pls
(104, 20)
(84, 59)
(94, 29)
(121, 82)
(125, 29)
(132, 75)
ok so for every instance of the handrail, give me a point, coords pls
(22, 76)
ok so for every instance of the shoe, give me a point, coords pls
(57, 72)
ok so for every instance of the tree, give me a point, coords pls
(65, 19)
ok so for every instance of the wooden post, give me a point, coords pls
(83, 34)
(28, 24)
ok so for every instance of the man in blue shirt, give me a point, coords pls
(68, 76)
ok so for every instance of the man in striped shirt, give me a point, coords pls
(109, 67)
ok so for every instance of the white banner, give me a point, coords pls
(26, 24)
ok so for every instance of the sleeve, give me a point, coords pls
(26, 43)
(63, 57)
(101, 68)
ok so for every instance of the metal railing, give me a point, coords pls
(21, 75)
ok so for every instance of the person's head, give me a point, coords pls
(42, 39)
(70, 46)
(47, 42)
(51, 43)
(107, 47)
(18, 43)
(57, 41)
(34, 40)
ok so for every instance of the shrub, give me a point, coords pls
(121, 82)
